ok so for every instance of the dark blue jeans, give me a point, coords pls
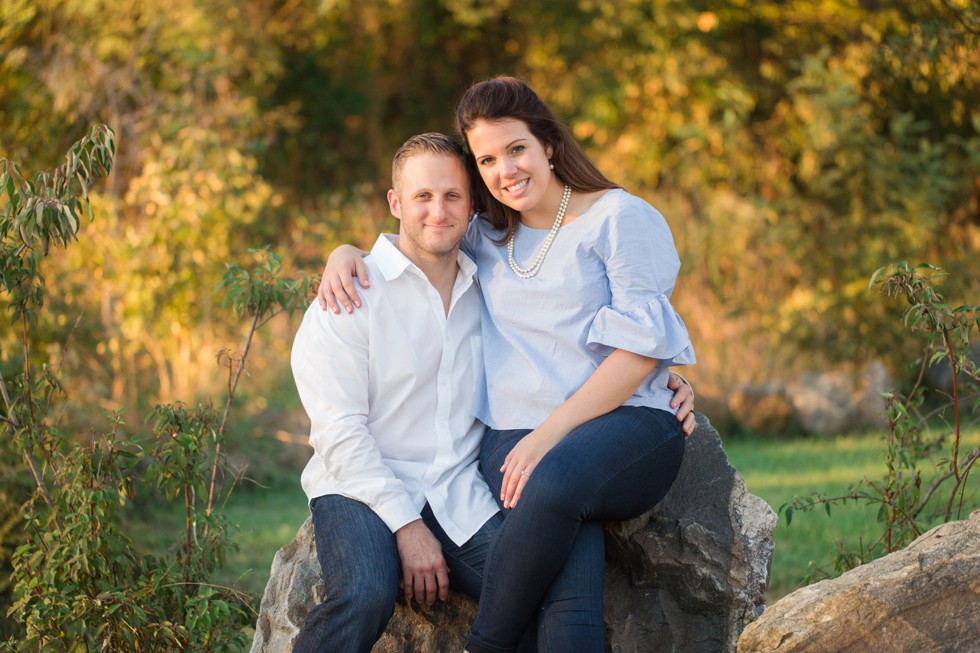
(570, 617)
(358, 556)
(616, 466)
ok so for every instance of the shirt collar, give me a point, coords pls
(392, 263)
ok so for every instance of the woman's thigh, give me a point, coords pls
(616, 466)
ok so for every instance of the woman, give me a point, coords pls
(577, 349)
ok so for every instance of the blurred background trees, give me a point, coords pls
(794, 147)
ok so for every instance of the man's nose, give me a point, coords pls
(438, 208)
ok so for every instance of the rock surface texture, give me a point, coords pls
(922, 599)
(686, 577)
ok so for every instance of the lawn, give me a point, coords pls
(774, 470)
(778, 470)
(268, 519)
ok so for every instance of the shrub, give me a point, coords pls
(78, 581)
(918, 439)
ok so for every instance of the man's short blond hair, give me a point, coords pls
(428, 143)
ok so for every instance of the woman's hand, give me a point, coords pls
(337, 284)
(684, 402)
(521, 461)
(608, 387)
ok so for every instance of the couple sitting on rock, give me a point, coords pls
(566, 362)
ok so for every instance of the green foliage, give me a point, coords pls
(262, 293)
(793, 147)
(189, 443)
(82, 585)
(35, 209)
(78, 580)
(43, 211)
(36, 214)
(918, 435)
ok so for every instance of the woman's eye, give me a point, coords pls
(518, 149)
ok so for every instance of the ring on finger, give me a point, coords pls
(524, 472)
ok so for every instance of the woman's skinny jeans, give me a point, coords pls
(616, 466)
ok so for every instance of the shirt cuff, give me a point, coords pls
(396, 512)
(653, 329)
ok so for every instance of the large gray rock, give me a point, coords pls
(831, 402)
(296, 585)
(922, 599)
(687, 577)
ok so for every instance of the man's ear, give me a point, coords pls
(393, 203)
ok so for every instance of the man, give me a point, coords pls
(394, 487)
(388, 389)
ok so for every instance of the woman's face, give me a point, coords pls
(513, 163)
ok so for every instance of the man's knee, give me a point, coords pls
(370, 598)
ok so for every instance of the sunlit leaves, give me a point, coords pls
(262, 291)
(44, 211)
(791, 145)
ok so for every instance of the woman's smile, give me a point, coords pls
(516, 167)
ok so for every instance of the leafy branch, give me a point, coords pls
(260, 293)
(36, 214)
(903, 503)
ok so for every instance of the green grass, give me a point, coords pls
(778, 470)
(775, 470)
(264, 519)
(267, 519)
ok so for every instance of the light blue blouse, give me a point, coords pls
(604, 285)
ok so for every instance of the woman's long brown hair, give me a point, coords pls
(508, 97)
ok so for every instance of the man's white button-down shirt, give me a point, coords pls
(390, 393)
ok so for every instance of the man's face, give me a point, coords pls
(433, 203)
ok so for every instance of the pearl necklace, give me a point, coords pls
(527, 273)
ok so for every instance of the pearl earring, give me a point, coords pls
(552, 166)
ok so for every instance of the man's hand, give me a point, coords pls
(426, 575)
